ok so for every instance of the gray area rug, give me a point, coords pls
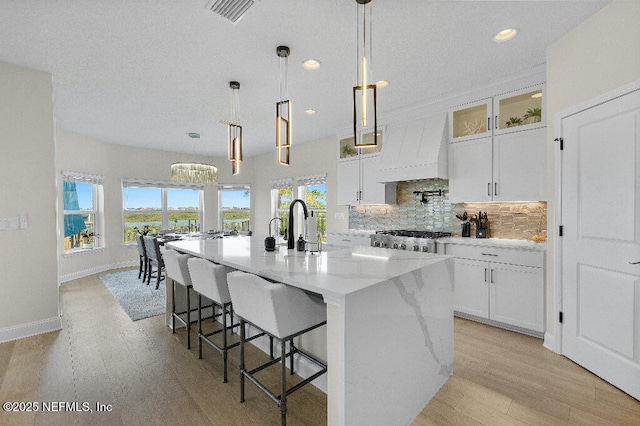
(137, 299)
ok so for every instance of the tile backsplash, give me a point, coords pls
(506, 220)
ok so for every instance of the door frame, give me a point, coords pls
(558, 174)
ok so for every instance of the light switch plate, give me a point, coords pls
(23, 221)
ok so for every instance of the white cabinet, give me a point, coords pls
(506, 167)
(358, 182)
(498, 149)
(502, 286)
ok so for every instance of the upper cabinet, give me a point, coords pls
(349, 150)
(513, 111)
(358, 182)
(498, 149)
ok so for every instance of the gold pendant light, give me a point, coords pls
(234, 130)
(364, 95)
(283, 109)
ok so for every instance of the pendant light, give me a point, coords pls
(283, 109)
(192, 172)
(235, 130)
(364, 95)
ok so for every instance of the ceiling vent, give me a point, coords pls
(232, 10)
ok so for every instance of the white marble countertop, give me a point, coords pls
(495, 242)
(335, 272)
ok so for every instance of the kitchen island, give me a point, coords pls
(389, 320)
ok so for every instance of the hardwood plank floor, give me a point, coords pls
(148, 376)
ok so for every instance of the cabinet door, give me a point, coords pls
(470, 171)
(517, 295)
(470, 121)
(517, 111)
(348, 181)
(471, 293)
(520, 166)
(374, 192)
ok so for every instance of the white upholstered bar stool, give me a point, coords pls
(210, 280)
(176, 268)
(282, 312)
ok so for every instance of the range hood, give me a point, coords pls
(415, 149)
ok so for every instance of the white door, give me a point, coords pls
(601, 242)
(470, 170)
(471, 294)
(348, 181)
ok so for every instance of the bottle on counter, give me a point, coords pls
(301, 243)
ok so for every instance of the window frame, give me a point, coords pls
(222, 210)
(97, 191)
(163, 186)
(299, 186)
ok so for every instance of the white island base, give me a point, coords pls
(389, 321)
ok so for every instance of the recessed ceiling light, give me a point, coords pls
(381, 83)
(310, 111)
(311, 64)
(505, 35)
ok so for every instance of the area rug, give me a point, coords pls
(136, 298)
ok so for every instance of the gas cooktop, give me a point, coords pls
(414, 234)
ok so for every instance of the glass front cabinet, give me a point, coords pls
(510, 112)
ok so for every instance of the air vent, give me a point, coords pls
(233, 10)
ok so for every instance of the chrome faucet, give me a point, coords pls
(275, 218)
(291, 242)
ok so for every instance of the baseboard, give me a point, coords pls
(550, 341)
(95, 270)
(302, 366)
(532, 333)
(29, 329)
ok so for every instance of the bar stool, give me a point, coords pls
(210, 280)
(282, 312)
(178, 271)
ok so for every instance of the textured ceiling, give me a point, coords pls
(145, 73)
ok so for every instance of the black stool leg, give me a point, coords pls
(173, 306)
(283, 395)
(188, 319)
(224, 341)
(242, 360)
(199, 326)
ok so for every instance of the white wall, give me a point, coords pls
(28, 258)
(80, 153)
(595, 57)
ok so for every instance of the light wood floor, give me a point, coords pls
(149, 377)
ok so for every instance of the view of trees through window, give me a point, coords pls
(152, 209)
(315, 197)
(235, 207)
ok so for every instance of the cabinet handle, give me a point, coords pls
(488, 189)
(495, 188)
(495, 123)
(488, 123)
(489, 254)
(485, 275)
(491, 274)
(634, 263)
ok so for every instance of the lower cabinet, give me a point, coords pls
(503, 293)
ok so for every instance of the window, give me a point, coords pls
(281, 196)
(81, 204)
(313, 190)
(153, 207)
(235, 204)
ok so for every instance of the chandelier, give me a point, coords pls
(192, 172)
(364, 95)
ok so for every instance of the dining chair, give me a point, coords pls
(155, 259)
(143, 257)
